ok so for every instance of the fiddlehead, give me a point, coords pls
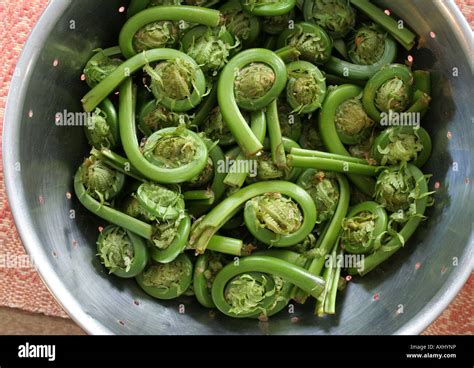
(268, 7)
(92, 99)
(209, 47)
(234, 90)
(123, 253)
(169, 239)
(403, 189)
(337, 17)
(323, 189)
(367, 45)
(100, 181)
(170, 155)
(161, 202)
(390, 89)
(248, 289)
(398, 190)
(167, 280)
(363, 228)
(353, 125)
(102, 129)
(242, 25)
(176, 84)
(226, 209)
(159, 25)
(156, 35)
(402, 34)
(398, 145)
(101, 65)
(329, 134)
(253, 82)
(276, 214)
(306, 87)
(313, 43)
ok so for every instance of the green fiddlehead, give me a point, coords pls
(398, 145)
(323, 189)
(367, 45)
(159, 20)
(246, 289)
(167, 280)
(100, 181)
(176, 84)
(337, 17)
(390, 89)
(268, 7)
(313, 43)
(306, 87)
(102, 129)
(363, 228)
(353, 125)
(209, 47)
(101, 65)
(156, 35)
(242, 25)
(123, 253)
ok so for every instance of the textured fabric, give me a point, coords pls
(22, 287)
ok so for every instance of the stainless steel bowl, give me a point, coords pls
(409, 296)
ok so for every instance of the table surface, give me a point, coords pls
(18, 18)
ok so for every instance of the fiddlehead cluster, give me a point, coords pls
(337, 17)
(189, 104)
